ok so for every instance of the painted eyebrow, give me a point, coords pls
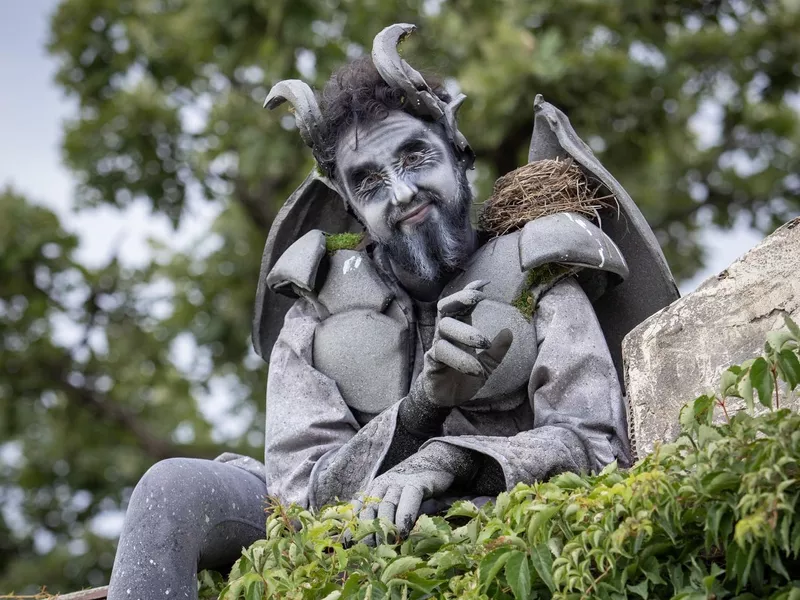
(413, 144)
(357, 173)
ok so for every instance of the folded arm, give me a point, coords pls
(579, 415)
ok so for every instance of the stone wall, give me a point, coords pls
(679, 352)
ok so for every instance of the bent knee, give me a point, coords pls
(173, 488)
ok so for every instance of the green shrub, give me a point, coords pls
(712, 515)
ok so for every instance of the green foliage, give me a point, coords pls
(713, 515)
(342, 241)
(89, 394)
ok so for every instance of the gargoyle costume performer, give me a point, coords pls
(423, 361)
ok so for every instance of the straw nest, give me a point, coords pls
(538, 189)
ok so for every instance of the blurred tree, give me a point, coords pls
(692, 105)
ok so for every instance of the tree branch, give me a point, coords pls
(152, 445)
(261, 205)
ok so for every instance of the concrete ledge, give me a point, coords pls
(678, 353)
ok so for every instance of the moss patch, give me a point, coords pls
(525, 304)
(342, 241)
(539, 277)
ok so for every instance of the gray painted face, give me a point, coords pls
(401, 177)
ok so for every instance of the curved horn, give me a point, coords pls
(398, 73)
(306, 110)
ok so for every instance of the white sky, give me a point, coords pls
(32, 110)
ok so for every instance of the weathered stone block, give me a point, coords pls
(679, 352)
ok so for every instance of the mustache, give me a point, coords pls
(422, 198)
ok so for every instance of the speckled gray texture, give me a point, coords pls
(578, 417)
(313, 205)
(184, 513)
(512, 374)
(298, 266)
(352, 283)
(506, 282)
(315, 449)
(649, 286)
(348, 342)
(570, 239)
(567, 412)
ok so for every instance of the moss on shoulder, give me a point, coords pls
(537, 281)
(342, 241)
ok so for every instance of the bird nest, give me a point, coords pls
(542, 188)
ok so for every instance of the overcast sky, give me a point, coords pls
(32, 110)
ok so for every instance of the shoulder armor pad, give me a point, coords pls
(353, 283)
(571, 239)
(299, 266)
(497, 262)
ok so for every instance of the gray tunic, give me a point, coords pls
(571, 418)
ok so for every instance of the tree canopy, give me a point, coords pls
(693, 106)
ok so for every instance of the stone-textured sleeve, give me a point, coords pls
(315, 450)
(579, 415)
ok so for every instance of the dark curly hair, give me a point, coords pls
(356, 93)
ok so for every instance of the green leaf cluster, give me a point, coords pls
(712, 515)
(759, 378)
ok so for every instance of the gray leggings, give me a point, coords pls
(185, 513)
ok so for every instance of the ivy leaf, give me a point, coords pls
(352, 586)
(402, 565)
(539, 519)
(569, 481)
(252, 585)
(790, 366)
(792, 326)
(640, 588)
(721, 482)
(777, 339)
(727, 383)
(707, 434)
(745, 388)
(501, 504)
(491, 564)
(463, 508)
(542, 561)
(518, 575)
(425, 585)
(704, 409)
(761, 378)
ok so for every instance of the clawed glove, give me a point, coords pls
(454, 370)
(400, 491)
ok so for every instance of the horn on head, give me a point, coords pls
(306, 110)
(399, 74)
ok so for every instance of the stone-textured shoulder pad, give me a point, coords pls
(571, 239)
(497, 262)
(353, 283)
(299, 265)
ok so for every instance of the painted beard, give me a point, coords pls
(438, 244)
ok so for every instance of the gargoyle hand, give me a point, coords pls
(397, 495)
(454, 370)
